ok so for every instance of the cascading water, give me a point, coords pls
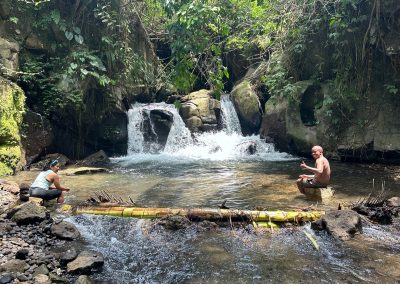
(230, 119)
(226, 144)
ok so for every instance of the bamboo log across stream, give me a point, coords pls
(199, 214)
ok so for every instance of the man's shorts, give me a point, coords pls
(45, 194)
(310, 182)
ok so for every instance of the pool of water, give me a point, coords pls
(140, 251)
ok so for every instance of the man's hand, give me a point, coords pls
(303, 165)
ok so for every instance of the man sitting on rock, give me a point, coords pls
(322, 171)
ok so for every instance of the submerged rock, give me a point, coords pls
(175, 222)
(341, 224)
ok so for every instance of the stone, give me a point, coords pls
(68, 255)
(27, 213)
(82, 171)
(58, 279)
(393, 202)
(6, 278)
(98, 159)
(9, 51)
(85, 262)
(41, 279)
(22, 254)
(14, 265)
(7, 201)
(11, 187)
(42, 269)
(319, 194)
(65, 230)
(36, 200)
(83, 279)
(341, 224)
(33, 42)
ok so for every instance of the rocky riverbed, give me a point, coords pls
(37, 247)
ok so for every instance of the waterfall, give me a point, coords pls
(139, 121)
(147, 121)
(230, 120)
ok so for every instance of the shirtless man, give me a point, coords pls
(322, 171)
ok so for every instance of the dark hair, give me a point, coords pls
(49, 164)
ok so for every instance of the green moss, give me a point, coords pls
(9, 158)
(12, 102)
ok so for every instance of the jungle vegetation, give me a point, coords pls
(194, 41)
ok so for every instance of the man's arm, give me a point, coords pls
(319, 167)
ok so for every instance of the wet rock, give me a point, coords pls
(67, 256)
(341, 224)
(207, 225)
(83, 171)
(27, 213)
(393, 202)
(248, 147)
(83, 279)
(85, 262)
(65, 230)
(14, 265)
(98, 159)
(175, 222)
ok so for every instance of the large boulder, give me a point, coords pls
(247, 106)
(12, 101)
(35, 126)
(28, 213)
(98, 159)
(200, 111)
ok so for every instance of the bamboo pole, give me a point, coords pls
(210, 214)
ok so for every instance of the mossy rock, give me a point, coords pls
(12, 107)
(248, 106)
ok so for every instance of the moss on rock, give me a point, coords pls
(12, 108)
